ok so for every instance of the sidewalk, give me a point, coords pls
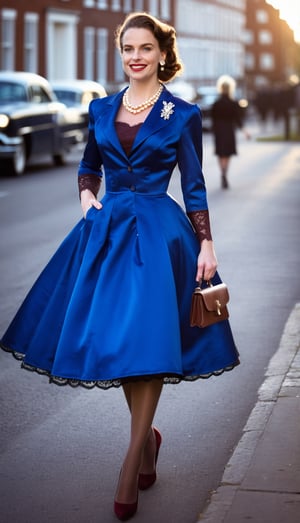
(261, 481)
(267, 129)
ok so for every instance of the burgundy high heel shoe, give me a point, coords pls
(125, 511)
(146, 480)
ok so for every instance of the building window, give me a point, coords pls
(89, 3)
(102, 4)
(153, 7)
(127, 6)
(116, 5)
(249, 61)
(102, 52)
(262, 16)
(8, 29)
(265, 37)
(165, 9)
(266, 62)
(248, 37)
(89, 51)
(30, 42)
(139, 5)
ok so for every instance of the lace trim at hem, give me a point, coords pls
(118, 382)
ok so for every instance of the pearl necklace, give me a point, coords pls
(135, 109)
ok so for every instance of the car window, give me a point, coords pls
(38, 95)
(207, 99)
(68, 97)
(95, 94)
(12, 92)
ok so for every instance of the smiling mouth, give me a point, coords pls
(137, 67)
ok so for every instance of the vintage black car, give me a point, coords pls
(33, 122)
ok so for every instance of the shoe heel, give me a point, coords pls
(147, 480)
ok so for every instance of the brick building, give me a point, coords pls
(68, 38)
(271, 52)
(75, 38)
(211, 39)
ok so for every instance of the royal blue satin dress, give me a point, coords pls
(113, 303)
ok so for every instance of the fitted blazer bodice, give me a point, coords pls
(170, 135)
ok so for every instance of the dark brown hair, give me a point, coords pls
(165, 35)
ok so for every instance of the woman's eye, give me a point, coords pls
(146, 48)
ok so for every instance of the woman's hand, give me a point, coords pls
(247, 134)
(88, 200)
(207, 261)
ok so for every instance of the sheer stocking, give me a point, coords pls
(142, 398)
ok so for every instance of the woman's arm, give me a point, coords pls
(194, 193)
(207, 260)
(89, 172)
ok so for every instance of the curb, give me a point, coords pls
(280, 374)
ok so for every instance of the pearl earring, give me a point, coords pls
(162, 65)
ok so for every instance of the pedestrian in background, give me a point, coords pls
(226, 118)
(112, 306)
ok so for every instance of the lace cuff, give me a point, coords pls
(89, 181)
(200, 222)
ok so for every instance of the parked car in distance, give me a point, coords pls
(76, 95)
(206, 97)
(32, 122)
(182, 89)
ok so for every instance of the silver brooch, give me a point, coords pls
(167, 110)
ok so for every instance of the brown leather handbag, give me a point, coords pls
(209, 305)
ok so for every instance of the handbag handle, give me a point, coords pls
(199, 282)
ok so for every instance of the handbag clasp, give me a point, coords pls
(218, 304)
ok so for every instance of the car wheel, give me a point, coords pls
(59, 159)
(17, 163)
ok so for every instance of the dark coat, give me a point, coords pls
(226, 116)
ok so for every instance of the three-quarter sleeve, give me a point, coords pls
(90, 168)
(192, 179)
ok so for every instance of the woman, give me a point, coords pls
(226, 117)
(117, 292)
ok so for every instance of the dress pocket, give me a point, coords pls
(89, 213)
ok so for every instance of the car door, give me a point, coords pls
(43, 121)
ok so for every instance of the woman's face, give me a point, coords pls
(140, 54)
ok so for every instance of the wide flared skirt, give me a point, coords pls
(113, 303)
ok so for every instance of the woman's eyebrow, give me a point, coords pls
(141, 45)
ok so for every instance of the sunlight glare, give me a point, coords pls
(289, 11)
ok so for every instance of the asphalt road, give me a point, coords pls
(61, 449)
